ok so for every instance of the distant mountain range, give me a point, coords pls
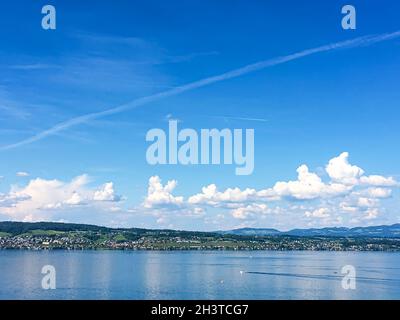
(385, 231)
(392, 231)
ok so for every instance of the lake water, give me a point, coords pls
(198, 275)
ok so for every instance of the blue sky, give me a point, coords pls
(306, 111)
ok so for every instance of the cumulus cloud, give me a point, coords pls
(40, 198)
(10, 200)
(75, 200)
(211, 196)
(318, 213)
(364, 202)
(344, 190)
(347, 189)
(159, 195)
(341, 171)
(381, 193)
(106, 193)
(249, 210)
(378, 181)
(308, 186)
(344, 193)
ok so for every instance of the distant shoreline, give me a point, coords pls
(59, 236)
(188, 250)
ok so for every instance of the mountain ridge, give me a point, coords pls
(380, 231)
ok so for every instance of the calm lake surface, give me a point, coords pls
(198, 275)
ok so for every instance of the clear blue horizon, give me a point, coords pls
(333, 116)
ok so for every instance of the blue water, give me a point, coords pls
(198, 275)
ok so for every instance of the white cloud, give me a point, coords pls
(377, 193)
(76, 199)
(106, 193)
(364, 202)
(378, 181)
(318, 213)
(249, 210)
(371, 213)
(10, 200)
(346, 190)
(41, 198)
(347, 207)
(197, 211)
(161, 196)
(22, 174)
(308, 186)
(339, 170)
(344, 195)
(211, 196)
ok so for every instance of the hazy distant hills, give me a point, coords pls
(392, 231)
(252, 232)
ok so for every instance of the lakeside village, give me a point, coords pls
(180, 240)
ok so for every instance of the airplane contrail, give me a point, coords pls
(352, 43)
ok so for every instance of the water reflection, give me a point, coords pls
(198, 275)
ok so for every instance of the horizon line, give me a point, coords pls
(184, 230)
